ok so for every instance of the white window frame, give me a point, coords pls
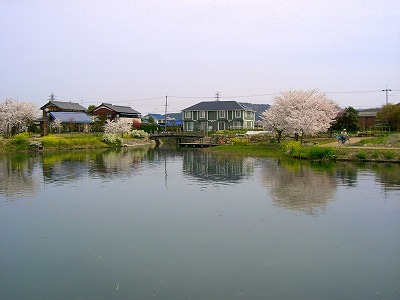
(188, 114)
(202, 114)
(221, 114)
(237, 125)
(189, 126)
(238, 113)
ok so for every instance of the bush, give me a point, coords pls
(291, 148)
(112, 139)
(20, 141)
(361, 155)
(139, 134)
(322, 152)
(389, 155)
(239, 141)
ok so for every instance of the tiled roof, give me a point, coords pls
(71, 117)
(65, 105)
(216, 105)
(120, 109)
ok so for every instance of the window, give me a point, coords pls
(189, 126)
(238, 113)
(188, 114)
(249, 114)
(221, 114)
(221, 126)
(202, 114)
(237, 125)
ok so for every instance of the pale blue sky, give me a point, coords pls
(137, 52)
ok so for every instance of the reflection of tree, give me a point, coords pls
(209, 167)
(386, 174)
(65, 166)
(297, 186)
(346, 172)
(17, 175)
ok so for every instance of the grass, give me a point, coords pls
(73, 141)
(256, 149)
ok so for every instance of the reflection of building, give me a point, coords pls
(206, 166)
(298, 186)
(217, 115)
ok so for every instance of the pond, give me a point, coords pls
(164, 224)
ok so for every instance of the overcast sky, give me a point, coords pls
(136, 52)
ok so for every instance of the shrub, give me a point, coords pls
(139, 134)
(291, 148)
(389, 155)
(20, 141)
(375, 154)
(317, 152)
(361, 155)
(112, 139)
(239, 141)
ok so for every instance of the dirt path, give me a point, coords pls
(354, 140)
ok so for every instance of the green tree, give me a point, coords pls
(390, 114)
(91, 108)
(347, 118)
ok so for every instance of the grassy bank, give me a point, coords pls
(21, 142)
(312, 152)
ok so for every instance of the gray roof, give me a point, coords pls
(71, 117)
(119, 109)
(217, 105)
(65, 105)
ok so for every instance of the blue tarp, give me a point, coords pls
(70, 117)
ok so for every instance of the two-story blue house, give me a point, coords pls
(217, 115)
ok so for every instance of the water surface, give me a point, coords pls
(159, 224)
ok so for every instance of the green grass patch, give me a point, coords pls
(256, 150)
(72, 141)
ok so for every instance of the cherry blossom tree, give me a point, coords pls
(302, 112)
(120, 127)
(57, 125)
(16, 116)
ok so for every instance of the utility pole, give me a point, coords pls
(386, 90)
(166, 104)
(217, 96)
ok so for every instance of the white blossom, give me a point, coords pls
(304, 112)
(56, 125)
(119, 127)
(16, 115)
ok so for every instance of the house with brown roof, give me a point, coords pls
(367, 118)
(115, 113)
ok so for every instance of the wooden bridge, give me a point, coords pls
(185, 139)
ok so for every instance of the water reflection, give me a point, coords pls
(65, 166)
(295, 185)
(17, 173)
(216, 168)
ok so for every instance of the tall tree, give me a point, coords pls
(390, 113)
(302, 112)
(347, 118)
(16, 116)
